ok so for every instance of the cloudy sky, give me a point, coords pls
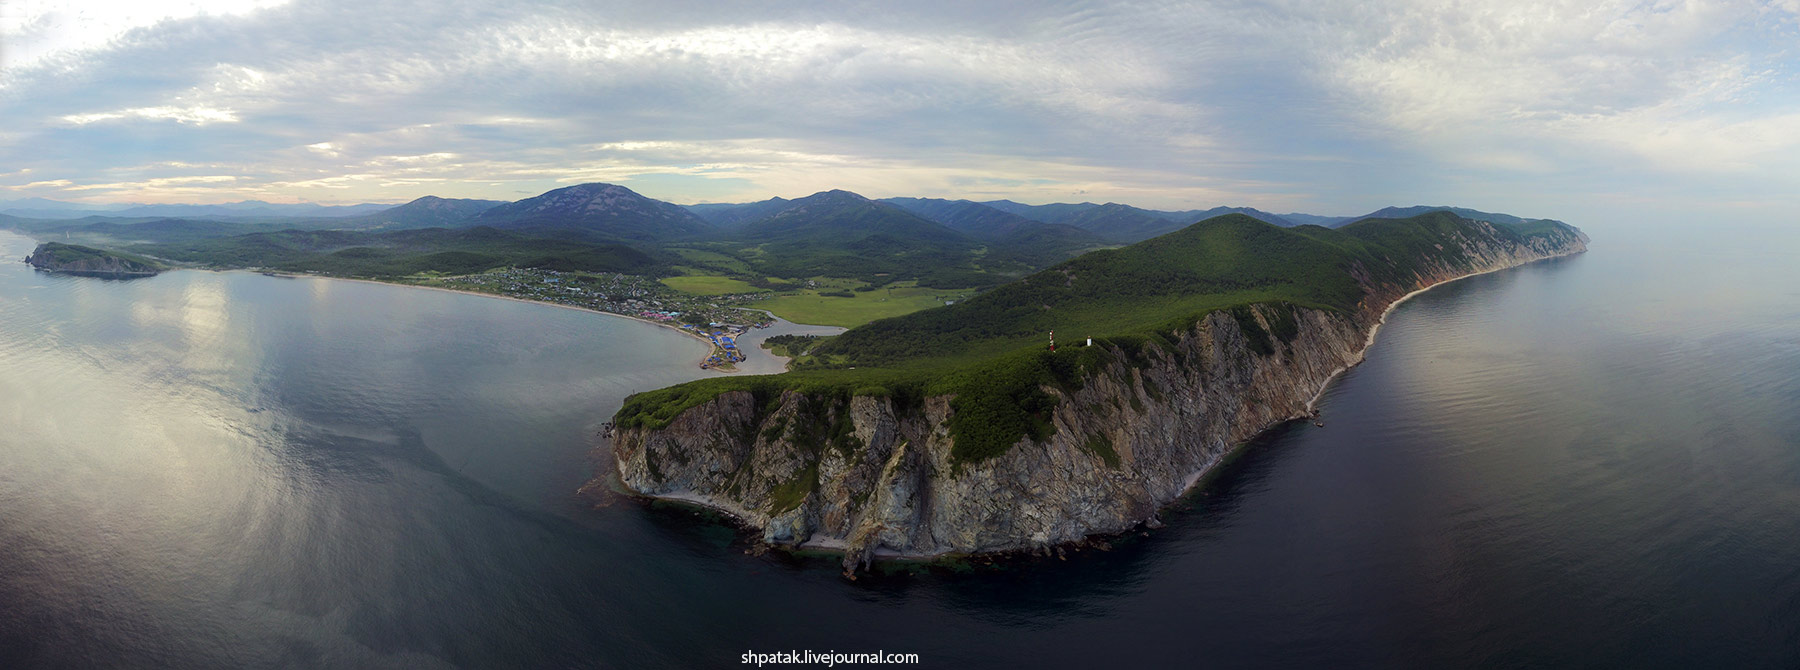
(1546, 108)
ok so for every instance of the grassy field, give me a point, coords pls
(808, 306)
(988, 351)
(708, 285)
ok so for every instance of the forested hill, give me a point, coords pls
(989, 350)
(1162, 282)
(77, 259)
(956, 430)
(399, 253)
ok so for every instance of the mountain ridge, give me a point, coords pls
(596, 211)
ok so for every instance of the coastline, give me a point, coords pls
(660, 324)
(1369, 340)
(1191, 485)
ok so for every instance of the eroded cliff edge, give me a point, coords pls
(876, 475)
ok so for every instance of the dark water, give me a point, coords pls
(1589, 462)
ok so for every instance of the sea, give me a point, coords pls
(1584, 462)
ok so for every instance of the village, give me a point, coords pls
(718, 318)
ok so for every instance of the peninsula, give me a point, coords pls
(87, 261)
(963, 429)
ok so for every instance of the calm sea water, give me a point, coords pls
(1591, 462)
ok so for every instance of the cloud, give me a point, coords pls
(46, 184)
(32, 31)
(199, 116)
(1633, 79)
(1275, 103)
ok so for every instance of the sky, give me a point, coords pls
(1541, 108)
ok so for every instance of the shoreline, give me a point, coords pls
(1369, 340)
(691, 334)
(1190, 486)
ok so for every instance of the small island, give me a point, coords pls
(90, 262)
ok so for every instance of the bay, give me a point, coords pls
(1592, 461)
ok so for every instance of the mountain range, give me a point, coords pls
(43, 208)
(595, 211)
(939, 243)
(612, 212)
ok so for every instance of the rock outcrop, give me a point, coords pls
(874, 476)
(87, 261)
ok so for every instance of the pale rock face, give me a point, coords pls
(899, 494)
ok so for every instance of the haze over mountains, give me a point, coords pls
(935, 242)
(427, 212)
(608, 211)
(42, 208)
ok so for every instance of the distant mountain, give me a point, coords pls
(839, 233)
(112, 230)
(1195, 215)
(1125, 223)
(398, 253)
(1051, 213)
(596, 212)
(427, 212)
(732, 215)
(1041, 245)
(160, 230)
(842, 216)
(1415, 210)
(44, 208)
(967, 217)
(1010, 237)
(1300, 219)
(250, 208)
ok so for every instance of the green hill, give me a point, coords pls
(1011, 238)
(842, 234)
(1039, 245)
(1059, 212)
(731, 215)
(989, 351)
(77, 259)
(426, 212)
(1476, 214)
(1123, 223)
(1192, 215)
(405, 252)
(969, 218)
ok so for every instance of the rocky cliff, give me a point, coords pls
(874, 476)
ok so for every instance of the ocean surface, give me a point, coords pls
(1587, 462)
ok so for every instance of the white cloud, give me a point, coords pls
(33, 31)
(198, 116)
(45, 184)
(158, 183)
(1264, 102)
(1656, 80)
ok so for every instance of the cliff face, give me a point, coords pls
(874, 477)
